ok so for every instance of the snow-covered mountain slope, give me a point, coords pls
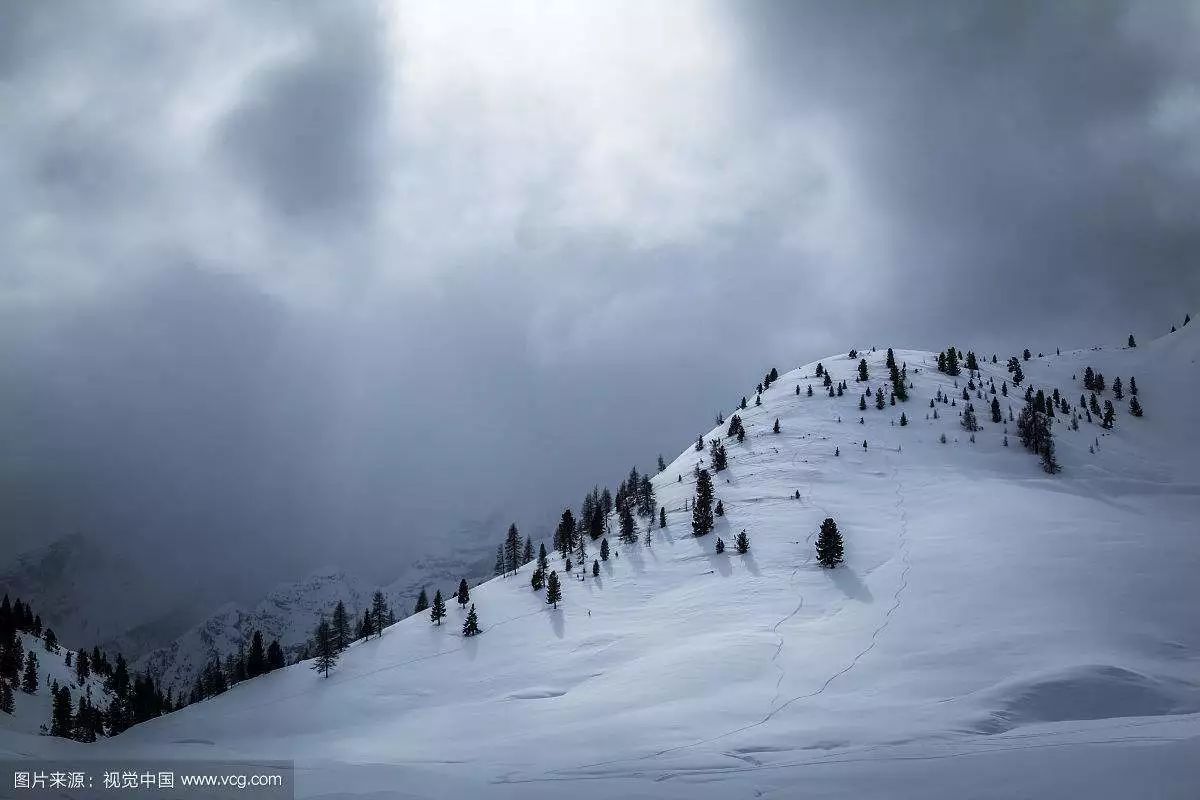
(89, 594)
(32, 711)
(288, 613)
(995, 631)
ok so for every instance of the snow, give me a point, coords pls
(32, 711)
(995, 631)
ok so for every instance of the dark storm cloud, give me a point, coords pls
(316, 283)
(307, 131)
(1019, 147)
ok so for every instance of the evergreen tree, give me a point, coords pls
(438, 610)
(1110, 415)
(758, 399)
(422, 602)
(61, 713)
(543, 561)
(256, 660)
(1027, 354)
(862, 402)
(604, 549)
(499, 568)
(29, 678)
(1033, 428)
(720, 546)
(700, 439)
(527, 551)
(662, 465)
(972, 363)
(595, 568)
(720, 459)
(662, 516)
(1118, 391)
(830, 551)
(862, 369)
(996, 410)
(1132, 343)
(1133, 386)
(952, 361)
(776, 428)
(741, 434)
(702, 514)
(274, 655)
(7, 702)
(471, 623)
(719, 510)
(1135, 408)
(82, 666)
(968, 419)
(512, 550)
(742, 542)
(628, 531)
(879, 398)
(564, 534)
(903, 419)
(463, 595)
(891, 359)
(553, 589)
(1089, 378)
(380, 612)
(324, 649)
(341, 627)
(537, 579)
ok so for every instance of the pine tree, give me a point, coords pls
(604, 549)
(537, 579)
(891, 359)
(702, 514)
(1033, 428)
(830, 550)
(471, 623)
(7, 702)
(720, 546)
(662, 516)
(720, 509)
(662, 465)
(628, 531)
(1132, 343)
(438, 610)
(862, 402)
(29, 678)
(758, 399)
(463, 595)
(996, 410)
(700, 439)
(1133, 386)
(256, 660)
(564, 534)
(422, 602)
(862, 369)
(527, 551)
(742, 543)
(1118, 390)
(512, 549)
(274, 655)
(879, 398)
(543, 561)
(776, 428)
(553, 589)
(952, 361)
(1135, 408)
(341, 628)
(903, 419)
(499, 568)
(720, 459)
(968, 419)
(380, 612)
(1110, 415)
(323, 648)
(595, 568)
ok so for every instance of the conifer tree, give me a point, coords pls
(879, 398)
(29, 678)
(628, 532)
(604, 549)
(758, 399)
(553, 590)
(537, 579)
(438, 610)
(341, 628)
(564, 534)
(1132, 343)
(512, 551)
(7, 702)
(1033, 427)
(499, 568)
(662, 516)
(422, 602)
(719, 510)
(776, 428)
(903, 419)
(968, 419)
(952, 361)
(742, 542)
(256, 660)
(700, 440)
(323, 648)
(891, 359)
(1133, 386)
(862, 369)
(1110, 415)
(662, 465)
(274, 655)
(720, 458)
(741, 434)
(830, 550)
(996, 410)
(527, 551)
(380, 612)
(862, 402)
(595, 568)
(702, 513)
(1135, 407)
(463, 595)
(471, 623)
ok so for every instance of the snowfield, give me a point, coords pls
(995, 632)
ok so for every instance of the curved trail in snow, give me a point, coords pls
(902, 535)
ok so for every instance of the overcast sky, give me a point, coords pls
(324, 281)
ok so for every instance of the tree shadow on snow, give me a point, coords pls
(751, 564)
(847, 580)
(557, 622)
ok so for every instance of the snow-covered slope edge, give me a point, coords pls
(996, 631)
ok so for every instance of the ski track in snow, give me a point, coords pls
(902, 549)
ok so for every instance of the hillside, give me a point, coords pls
(32, 711)
(995, 631)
